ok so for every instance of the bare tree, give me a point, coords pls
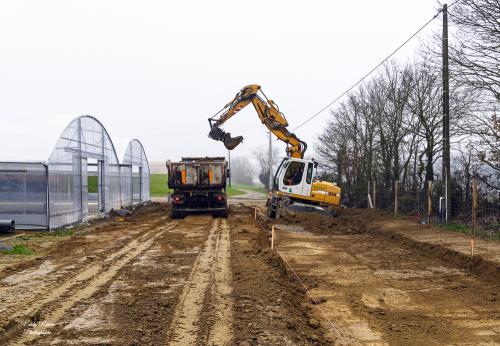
(477, 48)
(425, 104)
(262, 157)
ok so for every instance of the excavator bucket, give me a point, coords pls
(219, 135)
(232, 142)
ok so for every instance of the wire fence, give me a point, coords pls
(475, 206)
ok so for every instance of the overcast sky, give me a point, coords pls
(156, 70)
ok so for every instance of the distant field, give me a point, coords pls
(92, 184)
(159, 187)
(257, 188)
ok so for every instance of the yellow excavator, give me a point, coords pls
(293, 187)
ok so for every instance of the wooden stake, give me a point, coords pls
(370, 205)
(255, 213)
(429, 201)
(474, 215)
(272, 238)
(474, 206)
(396, 197)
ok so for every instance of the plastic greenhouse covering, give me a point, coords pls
(24, 193)
(136, 157)
(82, 178)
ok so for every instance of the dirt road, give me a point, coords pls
(150, 280)
(209, 281)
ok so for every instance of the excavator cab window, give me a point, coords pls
(293, 174)
(310, 168)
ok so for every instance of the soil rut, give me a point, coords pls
(203, 314)
(79, 287)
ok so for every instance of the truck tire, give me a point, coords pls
(175, 214)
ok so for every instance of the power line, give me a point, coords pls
(365, 76)
(372, 70)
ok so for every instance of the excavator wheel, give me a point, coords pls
(282, 204)
(271, 209)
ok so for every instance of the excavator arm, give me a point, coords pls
(268, 113)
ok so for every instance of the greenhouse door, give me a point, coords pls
(95, 186)
(85, 190)
(101, 184)
(136, 184)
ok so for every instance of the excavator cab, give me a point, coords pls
(295, 176)
(295, 189)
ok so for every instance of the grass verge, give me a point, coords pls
(464, 229)
(232, 191)
(256, 188)
(18, 249)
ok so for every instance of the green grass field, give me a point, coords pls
(92, 184)
(256, 188)
(159, 187)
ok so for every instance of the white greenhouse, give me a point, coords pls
(82, 179)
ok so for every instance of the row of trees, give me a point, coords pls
(390, 128)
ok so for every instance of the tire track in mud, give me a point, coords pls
(204, 312)
(29, 285)
(221, 333)
(80, 286)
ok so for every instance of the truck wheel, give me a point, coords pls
(175, 214)
(223, 213)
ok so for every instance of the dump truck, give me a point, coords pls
(199, 185)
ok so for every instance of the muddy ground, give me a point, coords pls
(151, 280)
(377, 285)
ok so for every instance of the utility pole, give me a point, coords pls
(270, 163)
(230, 173)
(446, 119)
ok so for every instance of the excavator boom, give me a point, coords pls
(268, 113)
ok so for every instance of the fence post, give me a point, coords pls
(474, 214)
(429, 201)
(396, 197)
(370, 204)
(272, 238)
(374, 194)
